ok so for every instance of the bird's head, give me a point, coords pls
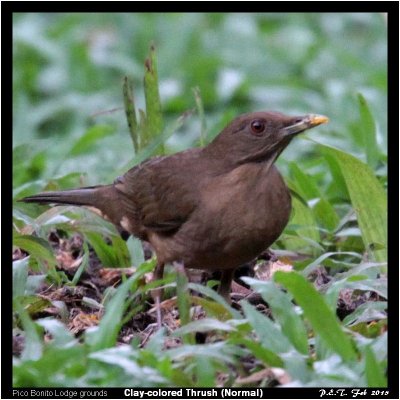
(261, 136)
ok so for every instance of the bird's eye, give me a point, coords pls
(257, 127)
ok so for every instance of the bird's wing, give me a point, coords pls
(158, 193)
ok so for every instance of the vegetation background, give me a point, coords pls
(70, 129)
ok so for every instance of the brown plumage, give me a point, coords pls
(212, 208)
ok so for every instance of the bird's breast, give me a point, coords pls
(239, 215)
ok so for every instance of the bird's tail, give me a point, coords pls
(86, 196)
(105, 200)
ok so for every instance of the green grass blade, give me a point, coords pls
(130, 112)
(154, 121)
(102, 249)
(150, 149)
(317, 312)
(83, 266)
(183, 298)
(106, 334)
(200, 111)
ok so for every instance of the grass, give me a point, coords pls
(329, 325)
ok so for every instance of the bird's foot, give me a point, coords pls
(157, 293)
(157, 303)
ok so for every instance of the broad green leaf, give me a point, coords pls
(216, 297)
(203, 325)
(20, 276)
(155, 345)
(270, 335)
(374, 372)
(124, 358)
(303, 183)
(86, 220)
(337, 190)
(20, 153)
(36, 247)
(61, 336)
(370, 269)
(19, 215)
(205, 372)
(212, 308)
(85, 143)
(135, 249)
(368, 199)
(34, 282)
(379, 286)
(219, 351)
(33, 341)
(380, 347)
(283, 312)
(27, 165)
(34, 304)
(316, 263)
(58, 367)
(332, 369)
(370, 330)
(267, 356)
(302, 190)
(368, 132)
(302, 216)
(67, 181)
(325, 214)
(317, 312)
(343, 280)
(297, 365)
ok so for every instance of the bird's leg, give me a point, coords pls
(224, 288)
(180, 269)
(157, 293)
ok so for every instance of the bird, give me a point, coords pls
(212, 208)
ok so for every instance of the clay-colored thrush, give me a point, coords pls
(212, 208)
